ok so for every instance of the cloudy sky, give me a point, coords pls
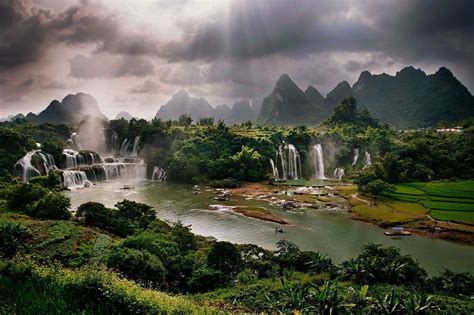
(133, 55)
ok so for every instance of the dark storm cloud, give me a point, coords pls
(428, 32)
(149, 86)
(26, 31)
(109, 66)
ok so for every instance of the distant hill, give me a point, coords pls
(72, 109)
(125, 115)
(410, 99)
(241, 111)
(183, 103)
(287, 105)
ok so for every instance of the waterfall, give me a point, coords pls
(136, 146)
(74, 179)
(159, 174)
(290, 161)
(126, 171)
(115, 143)
(73, 159)
(318, 161)
(339, 173)
(24, 167)
(26, 170)
(274, 170)
(356, 156)
(124, 147)
(74, 142)
(367, 159)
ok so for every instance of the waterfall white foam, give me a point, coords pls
(72, 158)
(274, 170)
(367, 159)
(356, 156)
(74, 179)
(318, 160)
(130, 149)
(26, 170)
(339, 173)
(74, 142)
(290, 161)
(159, 174)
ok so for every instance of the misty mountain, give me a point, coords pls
(125, 115)
(72, 109)
(183, 103)
(241, 111)
(287, 105)
(413, 99)
(410, 99)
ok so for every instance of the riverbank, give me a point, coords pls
(385, 213)
(412, 215)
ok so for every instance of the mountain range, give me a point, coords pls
(72, 109)
(199, 107)
(409, 99)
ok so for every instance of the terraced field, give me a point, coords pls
(448, 201)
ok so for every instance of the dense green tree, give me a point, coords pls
(21, 196)
(95, 214)
(137, 265)
(246, 165)
(51, 206)
(185, 120)
(55, 148)
(225, 257)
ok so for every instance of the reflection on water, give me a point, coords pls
(329, 232)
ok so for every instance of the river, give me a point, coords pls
(327, 231)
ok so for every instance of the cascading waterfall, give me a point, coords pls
(74, 142)
(136, 146)
(115, 142)
(74, 179)
(318, 161)
(72, 158)
(356, 156)
(367, 159)
(290, 161)
(159, 174)
(274, 169)
(339, 173)
(26, 170)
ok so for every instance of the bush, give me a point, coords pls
(94, 214)
(383, 265)
(131, 215)
(137, 265)
(225, 257)
(21, 196)
(204, 279)
(52, 206)
(452, 283)
(12, 238)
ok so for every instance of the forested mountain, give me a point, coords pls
(72, 109)
(410, 99)
(183, 103)
(288, 105)
(125, 115)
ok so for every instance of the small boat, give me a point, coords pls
(128, 187)
(397, 231)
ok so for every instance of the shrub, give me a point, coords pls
(20, 196)
(12, 238)
(225, 257)
(52, 206)
(204, 279)
(94, 214)
(452, 283)
(137, 265)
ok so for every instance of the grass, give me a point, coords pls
(27, 288)
(390, 212)
(458, 216)
(446, 200)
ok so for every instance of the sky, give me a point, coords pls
(133, 55)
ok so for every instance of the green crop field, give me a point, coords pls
(449, 201)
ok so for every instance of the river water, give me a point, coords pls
(327, 231)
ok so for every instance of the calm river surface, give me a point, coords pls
(329, 232)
